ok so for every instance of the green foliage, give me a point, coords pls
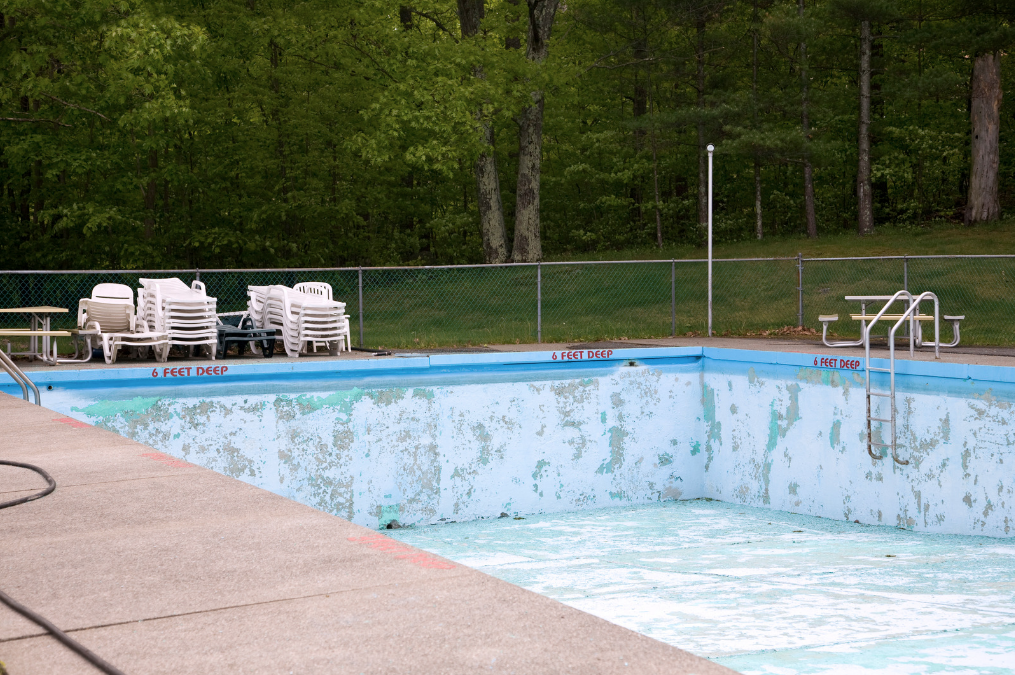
(273, 133)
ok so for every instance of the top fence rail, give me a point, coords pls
(193, 270)
(577, 301)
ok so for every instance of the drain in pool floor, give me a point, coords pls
(762, 591)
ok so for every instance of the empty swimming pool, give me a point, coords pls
(555, 437)
(761, 591)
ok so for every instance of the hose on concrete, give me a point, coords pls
(42, 621)
(50, 484)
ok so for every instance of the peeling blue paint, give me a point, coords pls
(776, 433)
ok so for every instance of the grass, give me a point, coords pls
(417, 307)
(940, 238)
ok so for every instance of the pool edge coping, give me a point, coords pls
(418, 364)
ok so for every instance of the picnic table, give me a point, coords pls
(39, 328)
(863, 317)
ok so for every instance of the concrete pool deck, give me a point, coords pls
(160, 566)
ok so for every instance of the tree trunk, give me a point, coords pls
(805, 125)
(655, 172)
(758, 231)
(491, 209)
(700, 85)
(150, 193)
(984, 115)
(527, 247)
(488, 200)
(864, 203)
(639, 104)
(758, 223)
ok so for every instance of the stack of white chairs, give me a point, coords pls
(257, 300)
(324, 290)
(187, 314)
(109, 315)
(306, 315)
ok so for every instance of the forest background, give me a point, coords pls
(302, 133)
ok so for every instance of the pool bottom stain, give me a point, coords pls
(761, 591)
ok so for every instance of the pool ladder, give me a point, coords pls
(912, 309)
(19, 376)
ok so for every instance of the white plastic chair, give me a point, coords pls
(324, 290)
(314, 288)
(109, 315)
(187, 314)
(306, 320)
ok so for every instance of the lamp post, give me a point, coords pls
(711, 149)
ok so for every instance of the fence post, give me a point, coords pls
(539, 302)
(197, 274)
(360, 306)
(905, 285)
(800, 289)
(710, 149)
(673, 298)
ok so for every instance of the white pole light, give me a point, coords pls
(711, 149)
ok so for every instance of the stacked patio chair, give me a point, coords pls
(187, 314)
(257, 298)
(109, 316)
(306, 320)
(324, 290)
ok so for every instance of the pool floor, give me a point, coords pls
(761, 591)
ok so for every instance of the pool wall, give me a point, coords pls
(792, 437)
(458, 437)
(445, 445)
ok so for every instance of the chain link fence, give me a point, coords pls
(406, 307)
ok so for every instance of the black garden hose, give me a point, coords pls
(67, 640)
(51, 484)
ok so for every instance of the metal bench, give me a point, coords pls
(827, 319)
(48, 334)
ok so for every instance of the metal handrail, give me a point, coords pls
(867, 371)
(910, 313)
(19, 376)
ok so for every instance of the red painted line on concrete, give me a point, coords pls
(167, 460)
(404, 552)
(77, 424)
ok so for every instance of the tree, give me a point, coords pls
(759, 230)
(491, 209)
(805, 128)
(985, 119)
(527, 245)
(991, 33)
(864, 13)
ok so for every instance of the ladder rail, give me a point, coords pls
(899, 295)
(19, 376)
(910, 312)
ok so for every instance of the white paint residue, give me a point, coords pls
(820, 608)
